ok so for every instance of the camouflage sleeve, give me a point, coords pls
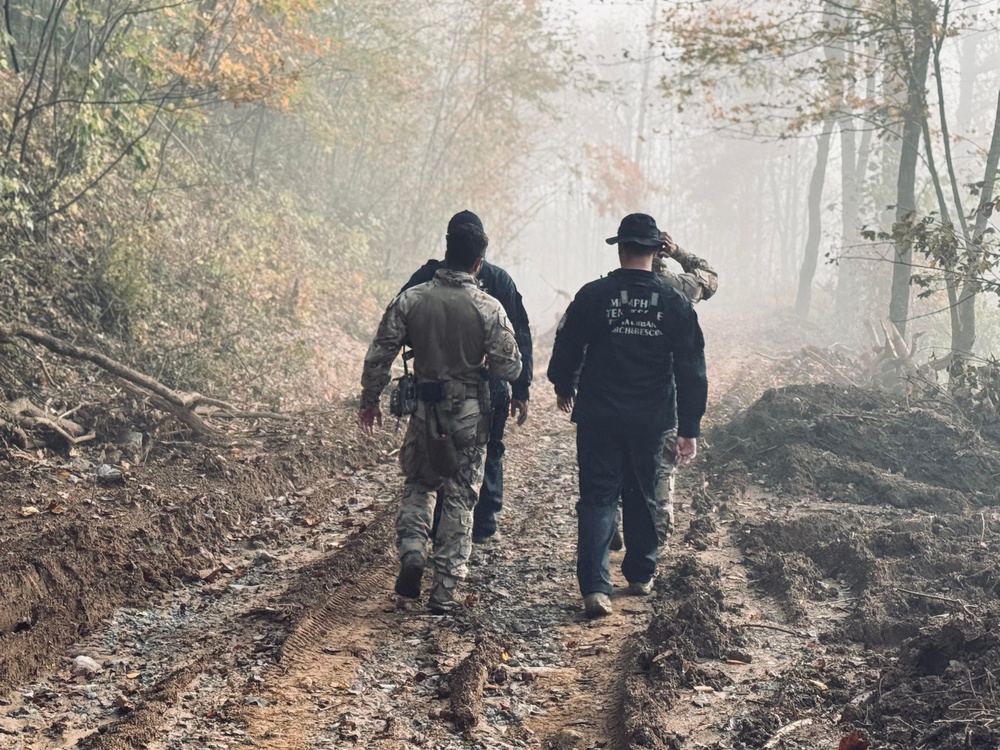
(381, 354)
(698, 281)
(503, 358)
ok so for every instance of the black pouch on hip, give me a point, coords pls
(442, 453)
(403, 399)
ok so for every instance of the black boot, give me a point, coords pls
(411, 570)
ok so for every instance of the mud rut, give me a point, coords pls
(296, 641)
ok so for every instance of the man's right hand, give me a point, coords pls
(565, 403)
(519, 410)
(687, 449)
(368, 418)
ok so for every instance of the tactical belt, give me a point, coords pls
(434, 393)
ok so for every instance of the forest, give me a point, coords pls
(205, 207)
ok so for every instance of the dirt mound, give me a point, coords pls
(699, 533)
(686, 630)
(943, 691)
(898, 572)
(861, 446)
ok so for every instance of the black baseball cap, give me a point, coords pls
(465, 217)
(640, 228)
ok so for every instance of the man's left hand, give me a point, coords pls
(368, 418)
(687, 449)
(519, 409)
(566, 403)
(669, 247)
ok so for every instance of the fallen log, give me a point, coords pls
(183, 406)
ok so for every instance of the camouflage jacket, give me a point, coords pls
(698, 281)
(496, 282)
(453, 326)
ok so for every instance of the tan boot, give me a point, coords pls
(443, 597)
(597, 605)
(640, 589)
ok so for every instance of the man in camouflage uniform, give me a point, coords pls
(454, 329)
(505, 400)
(698, 281)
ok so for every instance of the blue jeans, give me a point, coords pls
(484, 522)
(612, 466)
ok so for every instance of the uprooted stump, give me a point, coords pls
(21, 422)
(468, 679)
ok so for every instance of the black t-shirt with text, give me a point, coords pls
(624, 342)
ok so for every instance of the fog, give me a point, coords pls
(726, 167)
(249, 184)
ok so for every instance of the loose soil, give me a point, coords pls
(833, 573)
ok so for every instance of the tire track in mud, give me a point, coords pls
(144, 724)
(363, 569)
(343, 596)
(64, 574)
(232, 617)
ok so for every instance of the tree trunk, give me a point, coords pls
(638, 147)
(923, 13)
(848, 276)
(950, 272)
(967, 300)
(803, 299)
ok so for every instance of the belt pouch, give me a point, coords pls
(442, 454)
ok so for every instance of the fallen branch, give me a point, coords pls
(178, 404)
(54, 426)
(181, 405)
(21, 417)
(784, 731)
(225, 409)
(937, 598)
(778, 628)
(468, 679)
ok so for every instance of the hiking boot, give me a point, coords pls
(640, 589)
(617, 541)
(411, 570)
(490, 538)
(442, 600)
(597, 605)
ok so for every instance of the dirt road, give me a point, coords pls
(777, 619)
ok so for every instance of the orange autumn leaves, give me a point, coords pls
(239, 51)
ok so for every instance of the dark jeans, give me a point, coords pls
(613, 466)
(484, 522)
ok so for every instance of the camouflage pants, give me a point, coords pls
(664, 492)
(665, 479)
(453, 542)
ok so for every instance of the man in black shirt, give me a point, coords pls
(631, 337)
(514, 401)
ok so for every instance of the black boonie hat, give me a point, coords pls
(465, 217)
(639, 228)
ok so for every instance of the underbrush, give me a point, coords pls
(232, 291)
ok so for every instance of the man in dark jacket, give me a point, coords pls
(632, 338)
(514, 401)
